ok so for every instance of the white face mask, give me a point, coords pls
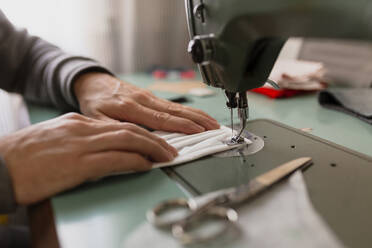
(191, 147)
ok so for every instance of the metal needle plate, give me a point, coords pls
(244, 150)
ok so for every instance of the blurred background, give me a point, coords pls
(124, 35)
(139, 35)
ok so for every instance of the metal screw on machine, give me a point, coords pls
(199, 12)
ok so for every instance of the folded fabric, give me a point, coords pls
(194, 146)
(294, 77)
(354, 101)
(298, 74)
(281, 217)
(191, 147)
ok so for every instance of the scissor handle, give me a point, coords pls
(185, 232)
(154, 215)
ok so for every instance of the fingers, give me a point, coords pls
(179, 110)
(124, 140)
(84, 126)
(105, 127)
(113, 162)
(186, 107)
(160, 120)
(106, 98)
(151, 136)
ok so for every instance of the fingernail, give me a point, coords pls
(170, 156)
(173, 151)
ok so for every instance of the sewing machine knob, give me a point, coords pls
(201, 48)
(196, 50)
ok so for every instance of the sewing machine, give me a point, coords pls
(236, 43)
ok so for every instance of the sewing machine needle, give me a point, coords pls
(232, 122)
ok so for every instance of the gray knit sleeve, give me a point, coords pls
(7, 200)
(38, 70)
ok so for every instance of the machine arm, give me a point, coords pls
(236, 42)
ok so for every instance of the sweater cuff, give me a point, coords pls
(7, 200)
(70, 71)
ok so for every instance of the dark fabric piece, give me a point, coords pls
(7, 201)
(15, 237)
(356, 102)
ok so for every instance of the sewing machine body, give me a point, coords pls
(236, 42)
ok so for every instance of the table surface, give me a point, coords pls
(106, 212)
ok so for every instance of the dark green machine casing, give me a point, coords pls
(236, 42)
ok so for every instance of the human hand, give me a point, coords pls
(104, 97)
(59, 154)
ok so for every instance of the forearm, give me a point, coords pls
(37, 69)
(7, 200)
(50, 74)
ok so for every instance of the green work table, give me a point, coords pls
(106, 212)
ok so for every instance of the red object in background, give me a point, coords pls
(172, 74)
(281, 93)
(190, 74)
(159, 74)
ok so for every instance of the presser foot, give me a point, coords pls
(236, 140)
(241, 103)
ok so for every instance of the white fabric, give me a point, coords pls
(280, 217)
(191, 147)
(298, 75)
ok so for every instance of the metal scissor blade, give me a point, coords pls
(267, 179)
(231, 197)
(282, 171)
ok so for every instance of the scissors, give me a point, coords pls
(216, 205)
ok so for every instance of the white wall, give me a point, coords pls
(125, 35)
(79, 27)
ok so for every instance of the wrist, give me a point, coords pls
(86, 83)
